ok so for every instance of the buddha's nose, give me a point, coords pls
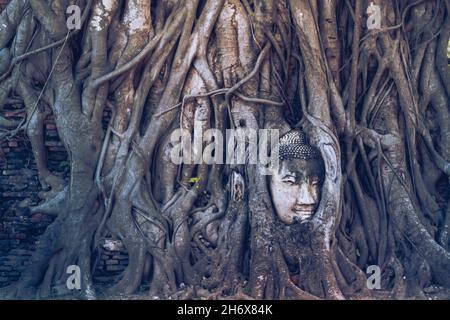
(305, 196)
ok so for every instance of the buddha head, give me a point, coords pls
(296, 184)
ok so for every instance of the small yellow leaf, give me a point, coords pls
(194, 180)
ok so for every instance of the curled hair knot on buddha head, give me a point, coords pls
(293, 145)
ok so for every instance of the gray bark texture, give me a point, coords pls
(375, 102)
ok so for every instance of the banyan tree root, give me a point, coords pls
(373, 101)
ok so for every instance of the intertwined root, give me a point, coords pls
(374, 103)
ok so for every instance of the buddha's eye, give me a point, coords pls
(289, 181)
(315, 182)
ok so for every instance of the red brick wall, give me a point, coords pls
(19, 188)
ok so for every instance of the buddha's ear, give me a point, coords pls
(274, 169)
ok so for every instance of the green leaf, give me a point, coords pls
(194, 179)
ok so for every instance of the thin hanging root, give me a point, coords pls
(224, 91)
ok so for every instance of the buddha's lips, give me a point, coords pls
(303, 210)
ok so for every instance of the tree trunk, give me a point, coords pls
(373, 101)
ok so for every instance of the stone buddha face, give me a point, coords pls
(296, 184)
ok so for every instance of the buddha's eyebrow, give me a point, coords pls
(290, 174)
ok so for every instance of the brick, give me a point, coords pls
(20, 236)
(20, 252)
(56, 149)
(6, 268)
(53, 143)
(15, 179)
(10, 172)
(51, 134)
(9, 274)
(10, 263)
(14, 114)
(36, 218)
(50, 126)
(5, 243)
(13, 144)
(114, 268)
(103, 279)
(120, 257)
(19, 186)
